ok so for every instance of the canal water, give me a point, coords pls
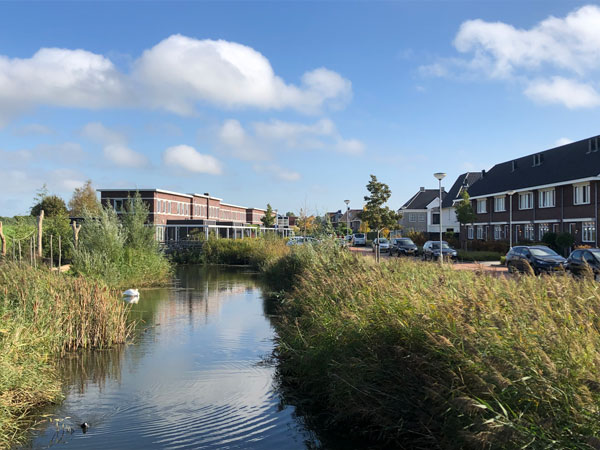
(196, 376)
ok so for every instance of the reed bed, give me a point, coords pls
(44, 314)
(410, 355)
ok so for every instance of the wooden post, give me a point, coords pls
(59, 253)
(39, 240)
(76, 229)
(51, 253)
(19, 251)
(3, 241)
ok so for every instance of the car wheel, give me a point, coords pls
(510, 267)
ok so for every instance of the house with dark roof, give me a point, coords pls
(554, 190)
(421, 212)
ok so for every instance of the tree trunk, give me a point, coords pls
(76, 229)
(40, 221)
(3, 242)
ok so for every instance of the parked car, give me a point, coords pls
(359, 239)
(403, 246)
(301, 240)
(384, 245)
(541, 259)
(579, 258)
(348, 238)
(431, 250)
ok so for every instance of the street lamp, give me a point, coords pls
(440, 176)
(347, 202)
(510, 194)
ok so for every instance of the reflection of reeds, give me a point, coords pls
(43, 314)
(78, 370)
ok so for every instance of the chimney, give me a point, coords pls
(483, 173)
(207, 194)
(422, 189)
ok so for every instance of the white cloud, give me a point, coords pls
(538, 57)
(179, 71)
(123, 156)
(188, 158)
(33, 129)
(277, 171)
(570, 93)
(563, 141)
(175, 75)
(275, 135)
(115, 148)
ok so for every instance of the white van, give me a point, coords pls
(359, 239)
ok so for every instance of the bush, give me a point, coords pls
(417, 237)
(478, 256)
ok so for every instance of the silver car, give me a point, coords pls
(359, 239)
(384, 245)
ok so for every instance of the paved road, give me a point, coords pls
(487, 266)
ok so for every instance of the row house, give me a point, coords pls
(176, 215)
(554, 190)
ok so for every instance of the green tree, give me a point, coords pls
(464, 210)
(52, 205)
(84, 198)
(290, 214)
(323, 225)
(268, 220)
(134, 221)
(375, 213)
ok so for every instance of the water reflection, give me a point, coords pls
(194, 377)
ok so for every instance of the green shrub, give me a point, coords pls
(478, 256)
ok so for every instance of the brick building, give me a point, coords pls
(177, 216)
(555, 190)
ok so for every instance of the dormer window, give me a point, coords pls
(593, 145)
(514, 166)
(538, 159)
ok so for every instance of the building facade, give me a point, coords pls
(177, 216)
(555, 190)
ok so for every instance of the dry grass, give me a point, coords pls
(44, 314)
(417, 356)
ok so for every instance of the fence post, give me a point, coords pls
(51, 253)
(3, 239)
(59, 253)
(40, 220)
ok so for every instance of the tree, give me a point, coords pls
(290, 214)
(84, 198)
(53, 206)
(464, 210)
(323, 225)
(375, 213)
(268, 220)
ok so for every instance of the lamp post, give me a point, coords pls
(510, 194)
(440, 176)
(347, 202)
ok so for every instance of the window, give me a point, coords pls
(593, 145)
(470, 232)
(526, 200)
(498, 232)
(421, 217)
(589, 232)
(573, 228)
(547, 198)
(529, 232)
(479, 232)
(555, 228)
(118, 205)
(513, 166)
(538, 159)
(499, 204)
(481, 206)
(435, 218)
(543, 228)
(412, 217)
(581, 193)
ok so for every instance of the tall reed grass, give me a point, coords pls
(411, 355)
(44, 314)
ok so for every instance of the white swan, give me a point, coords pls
(132, 293)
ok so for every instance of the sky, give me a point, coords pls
(294, 104)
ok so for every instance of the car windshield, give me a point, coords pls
(383, 241)
(542, 251)
(596, 253)
(405, 241)
(360, 235)
(436, 245)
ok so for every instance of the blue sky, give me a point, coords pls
(294, 104)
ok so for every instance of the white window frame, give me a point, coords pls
(421, 218)
(481, 206)
(547, 198)
(470, 232)
(412, 217)
(529, 232)
(588, 233)
(500, 203)
(543, 228)
(498, 232)
(529, 203)
(581, 194)
(480, 232)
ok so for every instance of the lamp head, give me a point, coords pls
(439, 175)
(346, 202)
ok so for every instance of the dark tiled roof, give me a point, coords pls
(560, 164)
(465, 180)
(422, 198)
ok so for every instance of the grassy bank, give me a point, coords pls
(42, 315)
(412, 355)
